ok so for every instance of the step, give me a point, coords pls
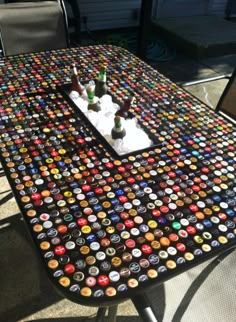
(199, 36)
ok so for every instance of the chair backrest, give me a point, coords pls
(32, 26)
(227, 101)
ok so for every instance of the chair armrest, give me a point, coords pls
(205, 80)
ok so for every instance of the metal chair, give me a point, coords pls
(33, 26)
(74, 21)
(72, 11)
(226, 103)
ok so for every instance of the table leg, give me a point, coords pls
(101, 314)
(112, 311)
(144, 308)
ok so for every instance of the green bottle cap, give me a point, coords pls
(176, 225)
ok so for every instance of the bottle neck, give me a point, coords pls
(76, 86)
(90, 89)
(102, 77)
(74, 71)
(118, 126)
(91, 96)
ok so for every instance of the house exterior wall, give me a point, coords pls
(110, 14)
(177, 8)
(181, 8)
(217, 7)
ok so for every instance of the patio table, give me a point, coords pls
(109, 227)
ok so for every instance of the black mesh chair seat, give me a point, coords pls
(72, 15)
(32, 26)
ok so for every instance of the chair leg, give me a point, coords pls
(144, 27)
(76, 12)
(112, 311)
(144, 308)
(100, 317)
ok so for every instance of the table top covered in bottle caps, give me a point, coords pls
(108, 227)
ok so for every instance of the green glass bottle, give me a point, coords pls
(118, 132)
(101, 83)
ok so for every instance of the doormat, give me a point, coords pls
(157, 49)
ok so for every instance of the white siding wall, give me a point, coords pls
(176, 8)
(108, 14)
(217, 7)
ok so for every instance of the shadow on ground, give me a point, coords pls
(22, 279)
(27, 289)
